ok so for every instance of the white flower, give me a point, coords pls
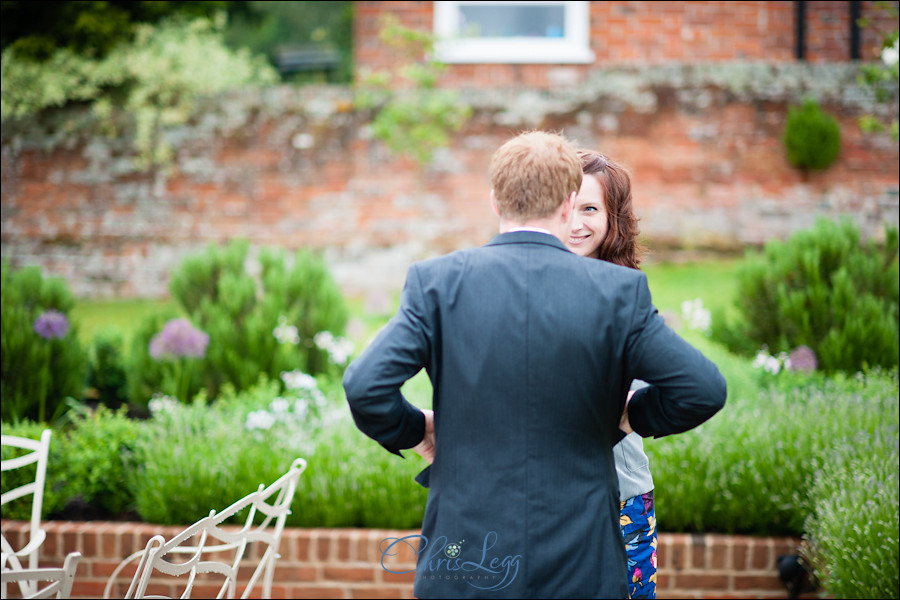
(259, 419)
(695, 315)
(890, 55)
(771, 364)
(338, 348)
(286, 334)
(280, 406)
(162, 404)
(760, 359)
(300, 408)
(298, 380)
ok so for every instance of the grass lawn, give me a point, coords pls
(95, 316)
(713, 281)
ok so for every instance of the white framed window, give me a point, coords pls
(512, 32)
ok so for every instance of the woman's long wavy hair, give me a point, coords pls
(621, 245)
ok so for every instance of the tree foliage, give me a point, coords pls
(145, 86)
(37, 30)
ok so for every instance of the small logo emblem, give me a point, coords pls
(453, 550)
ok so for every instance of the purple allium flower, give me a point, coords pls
(178, 339)
(51, 325)
(802, 358)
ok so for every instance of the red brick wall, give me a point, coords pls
(707, 164)
(345, 563)
(642, 33)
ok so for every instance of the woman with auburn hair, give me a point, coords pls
(604, 226)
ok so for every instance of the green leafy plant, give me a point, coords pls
(108, 378)
(261, 327)
(412, 115)
(151, 83)
(734, 475)
(191, 457)
(853, 530)
(882, 78)
(90, 462)
(43, 361)
(20, 508)
(812, 138)
(825, 289)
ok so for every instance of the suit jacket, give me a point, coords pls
(531, 350)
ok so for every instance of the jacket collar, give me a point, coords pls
(527, 237)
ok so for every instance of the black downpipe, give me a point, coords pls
(855, 33)
(800, 29)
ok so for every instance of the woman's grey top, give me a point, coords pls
(632, 464)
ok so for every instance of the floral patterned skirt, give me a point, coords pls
(637, 520)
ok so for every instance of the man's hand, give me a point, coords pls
(425, 448)
(624, 423)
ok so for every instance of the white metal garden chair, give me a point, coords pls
(61, 578)
(206, 548)
(39, 450)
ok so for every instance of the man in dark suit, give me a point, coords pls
(531, 351)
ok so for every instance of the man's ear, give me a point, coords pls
(568, 208)
(494, 204)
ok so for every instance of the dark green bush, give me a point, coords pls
(239, 314)
(20, 508)
(854, 519)
(107, 378)
(43, 362)
(812, 138)
(89, 464)
(825, 289)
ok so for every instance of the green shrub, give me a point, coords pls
(812, 138)
(190, 458)
(151, 82)
(20, 508)
(750, 468)
(107, 377)
(853, 531)
(43, 361)
(90, 462)
(243, 318)
(824, 289)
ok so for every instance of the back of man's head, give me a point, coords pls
(533, 174)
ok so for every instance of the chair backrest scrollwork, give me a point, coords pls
(210, 552)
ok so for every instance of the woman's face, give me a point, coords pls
(589, 222)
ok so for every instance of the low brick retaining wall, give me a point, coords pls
(346, 563)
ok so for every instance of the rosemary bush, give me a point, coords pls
(825, 289)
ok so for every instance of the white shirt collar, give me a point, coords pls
(534, 229)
